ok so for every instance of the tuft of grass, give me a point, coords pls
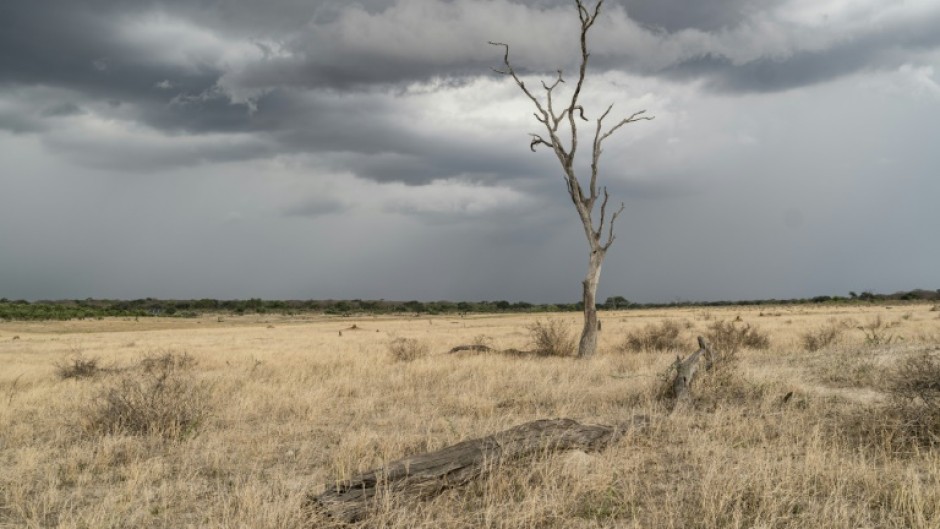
(727, 338)
(653, 337)
(816, 339)
(915, 390)
(158, 396)
(876, 332)
(166, 361)
(551, 338)
(408, 349)
(78, 366)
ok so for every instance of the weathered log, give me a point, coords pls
(428, 474)
(479, 348)
(688, 368)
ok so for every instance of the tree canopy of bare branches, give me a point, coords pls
(560, 134)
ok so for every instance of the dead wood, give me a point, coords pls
(686, 370)
(487, 349)
(430, 473)
(477, 348)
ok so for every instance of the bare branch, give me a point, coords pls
(600, 227)
(536, 140)
(636, 116)
(587, 20)
(543, 115)
(610, 234)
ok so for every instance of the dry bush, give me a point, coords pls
(408, 349)
(662, 337)
(876, 332)
(726, 338)
(166, 361)
(915, 388)
(816, 339)
(551, 338)
(78, 366)
(482, 341)
(158, 396)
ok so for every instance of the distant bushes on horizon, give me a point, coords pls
(101, 308)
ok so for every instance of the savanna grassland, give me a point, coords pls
(232, 421)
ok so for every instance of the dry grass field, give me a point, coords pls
(230, 422)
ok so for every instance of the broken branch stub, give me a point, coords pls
(687, 369)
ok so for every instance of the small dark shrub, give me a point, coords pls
(408, 349)
(876, 332)
(551, 338)
(915, 390)
(158, 396)
(823, 337)
(653, 337)
(726, 337)
(166, 361)
(78, 366)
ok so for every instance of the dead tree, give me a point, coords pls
(561, 135)
(686, 370)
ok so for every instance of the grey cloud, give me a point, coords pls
(876, 49)
(315, 207)
(148, 154)
(675, 15)
(61, 109)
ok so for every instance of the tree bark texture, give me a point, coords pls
(430, 473)
(587, 346)
(686, 370)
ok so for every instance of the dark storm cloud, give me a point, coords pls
(675, 15)
(284, 71)
(878, 49)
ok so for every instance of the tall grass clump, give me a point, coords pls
(408, 349)
(816, 339)
(159, 396)
(78, 366)
(653, 337)
(727, 338)
(551, 338)
(915, 390)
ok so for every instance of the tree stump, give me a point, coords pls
(688, 368)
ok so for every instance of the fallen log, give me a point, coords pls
(478, 348)
(688, 368)
(428, 474)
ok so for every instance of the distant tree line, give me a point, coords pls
(151, 307)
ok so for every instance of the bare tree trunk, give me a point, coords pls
(588, 344)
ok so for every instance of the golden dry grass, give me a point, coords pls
(293, 405)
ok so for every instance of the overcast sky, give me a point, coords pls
(331, 149)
